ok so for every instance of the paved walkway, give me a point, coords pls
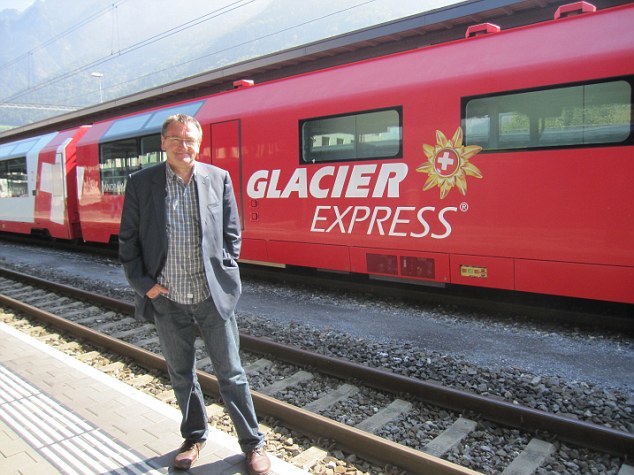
(58, 415)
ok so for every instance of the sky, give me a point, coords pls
(16, 4)
(21, 5)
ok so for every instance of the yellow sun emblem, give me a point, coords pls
(448, 163)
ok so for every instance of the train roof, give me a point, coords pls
(437, 26)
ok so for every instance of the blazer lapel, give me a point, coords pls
(202, 185)
(158, 199)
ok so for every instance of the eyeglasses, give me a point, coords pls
(178, 141)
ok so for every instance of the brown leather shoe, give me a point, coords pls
(188, 454)
(258, 462)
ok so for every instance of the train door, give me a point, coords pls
(226, 154)
(51, 206)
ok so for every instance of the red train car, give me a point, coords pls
(502, 160)
(38, 185)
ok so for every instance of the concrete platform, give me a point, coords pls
(58, 415)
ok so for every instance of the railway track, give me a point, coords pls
(309, 385)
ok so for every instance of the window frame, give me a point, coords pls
(13, 182)
(118, 176)
(628, 141)
(302, 151)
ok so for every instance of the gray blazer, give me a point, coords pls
(143, 235)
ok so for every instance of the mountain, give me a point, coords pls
(51, 48)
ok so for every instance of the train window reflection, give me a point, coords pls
(118, 159)
(358, 136)
(599, 113)
(151, 153)
(13, 182)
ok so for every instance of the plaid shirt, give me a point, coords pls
(184, 272)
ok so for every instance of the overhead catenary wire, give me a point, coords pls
(167, 33)
(228, 48)
(61, 35)
(159, 36)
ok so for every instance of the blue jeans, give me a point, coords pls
(176, 327)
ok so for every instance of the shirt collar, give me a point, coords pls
(171, 176)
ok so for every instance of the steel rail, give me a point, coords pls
(583, 434)
(577, 432)
(363, 444)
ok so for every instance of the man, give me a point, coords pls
(178, 243)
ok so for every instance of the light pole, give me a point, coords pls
(99, 76)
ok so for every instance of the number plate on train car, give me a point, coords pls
(472, 271)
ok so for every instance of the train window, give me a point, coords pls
(13, 182)
(7, 149)
(575, 115)
(358, 136)
(159, 116)
(148, 123)
(24, 146)
(118, 159)
(129, 124)
(151, 153)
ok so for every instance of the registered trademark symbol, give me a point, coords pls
(464, 207)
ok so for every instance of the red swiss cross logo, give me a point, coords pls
(446, 162)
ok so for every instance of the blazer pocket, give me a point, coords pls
(214, 212)
(229, 263)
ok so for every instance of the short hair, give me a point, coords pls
(183, 119)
